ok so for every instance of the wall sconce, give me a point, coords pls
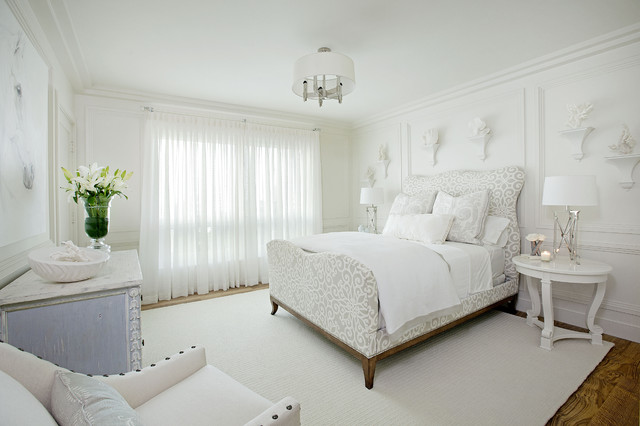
(626, 161)
(479, 134)
(431, 144)
(384, 159)
(576, 134)
(370, 176)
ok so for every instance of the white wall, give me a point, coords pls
(110, 132)
(526, 108)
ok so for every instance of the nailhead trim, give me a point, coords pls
(167, 358)
(289, 407)
(153, 365)
(89, 375)
(137, 370)
(181, 352)
(121, 374)
(105, 375)
(274, 417)
(193, 347)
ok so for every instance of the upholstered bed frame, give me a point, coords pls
(338, 296)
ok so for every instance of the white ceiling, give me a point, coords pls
(242, 51)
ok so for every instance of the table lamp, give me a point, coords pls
(568, 191)
(372, 197)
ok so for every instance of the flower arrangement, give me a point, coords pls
(95, 184)
(536, 242)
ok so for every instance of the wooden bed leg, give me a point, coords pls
(511, 305)
(274, 307)
(369, 369)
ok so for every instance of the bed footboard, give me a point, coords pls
(336, 293)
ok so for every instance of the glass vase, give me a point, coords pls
(96, 224)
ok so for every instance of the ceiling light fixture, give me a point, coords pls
(323, 75)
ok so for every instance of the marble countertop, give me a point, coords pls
(121, 271)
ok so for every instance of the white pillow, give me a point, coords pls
(495, 231)
(413, 204)
(18, 406)
(77, 400)
(470, 211)
(427, 228)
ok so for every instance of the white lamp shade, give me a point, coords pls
(570, 191)
(373, 196)
(330, 64)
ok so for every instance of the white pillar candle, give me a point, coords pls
(545, 256)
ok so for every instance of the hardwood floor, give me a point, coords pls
(609, 396)
(198, 297)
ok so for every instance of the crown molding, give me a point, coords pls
(607, 42)
(68, 38)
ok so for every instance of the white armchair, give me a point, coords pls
(181, 389)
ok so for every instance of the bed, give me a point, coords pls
(338, 295)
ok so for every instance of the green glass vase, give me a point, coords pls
(96, 224)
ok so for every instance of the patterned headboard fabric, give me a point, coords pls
(504, 187)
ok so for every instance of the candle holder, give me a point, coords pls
(536, 241)
(535, 247)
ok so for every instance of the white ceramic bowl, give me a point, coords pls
(65, 272)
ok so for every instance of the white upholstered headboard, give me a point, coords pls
(504, 187)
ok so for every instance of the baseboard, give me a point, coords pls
(615, 323)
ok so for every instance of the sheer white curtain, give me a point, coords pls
(214, 193)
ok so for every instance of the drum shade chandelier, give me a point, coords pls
(323, 75)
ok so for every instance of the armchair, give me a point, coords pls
(181, 389)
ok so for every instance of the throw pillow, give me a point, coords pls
(470, 211)
(413, 204)
(77, 399)
(427, 228)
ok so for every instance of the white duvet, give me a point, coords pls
(413, 280)
(470, 266)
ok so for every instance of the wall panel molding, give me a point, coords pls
(541, 90)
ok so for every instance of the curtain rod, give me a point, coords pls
(243, 120)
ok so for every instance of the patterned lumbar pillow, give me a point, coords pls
(80, 400)
(470, 211)
(413, 204)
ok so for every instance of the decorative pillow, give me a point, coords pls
(470, 212)
(18, 406)
(80, 400)
(495, 231)
(428, 228)
(413, 204)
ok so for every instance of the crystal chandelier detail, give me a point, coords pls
(323, 75)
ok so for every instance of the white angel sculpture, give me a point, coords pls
(578, 113)
(626, 142)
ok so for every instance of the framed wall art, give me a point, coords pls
(24, 168)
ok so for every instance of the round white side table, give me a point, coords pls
(561, 270)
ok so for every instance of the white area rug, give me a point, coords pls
(489, 371)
